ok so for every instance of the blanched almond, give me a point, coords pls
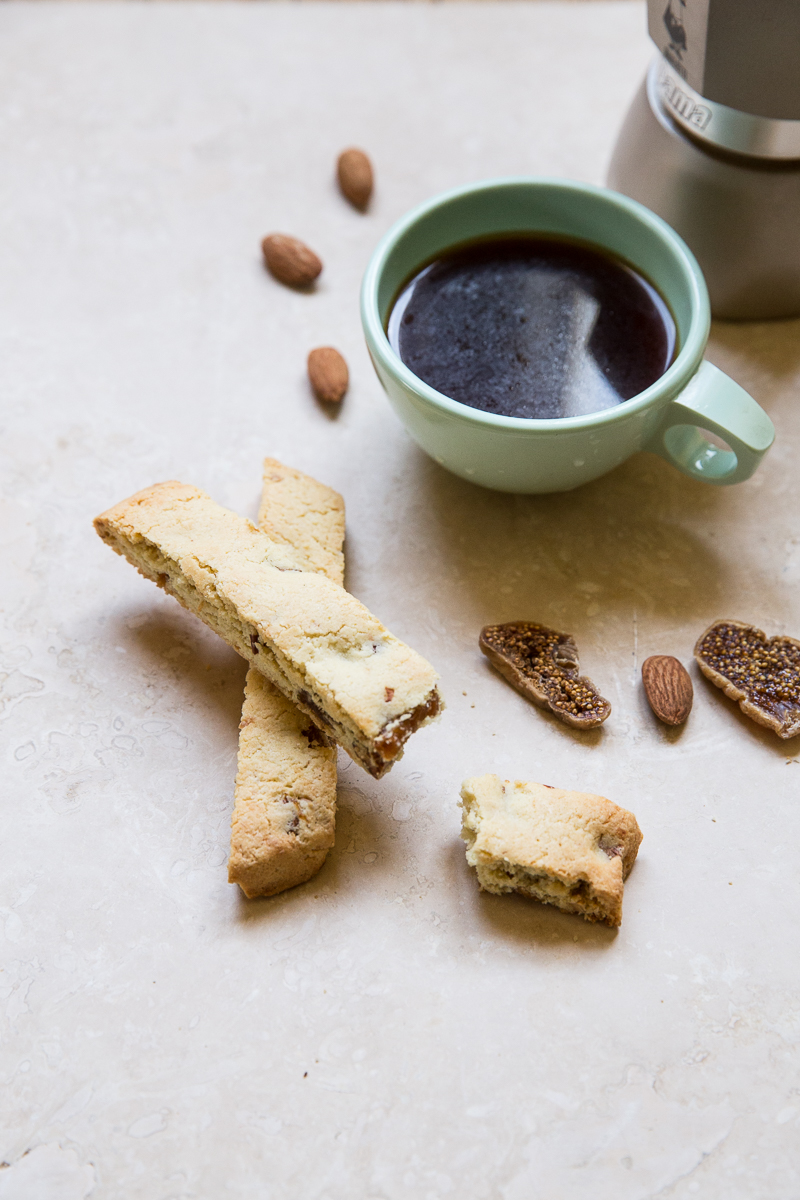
(290, 260)
(328, 374)
(354, 172)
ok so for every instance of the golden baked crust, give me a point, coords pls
(311, 639)
(570, 849)
(284, 800)
(761, 673)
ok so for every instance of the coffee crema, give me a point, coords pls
(533, 326)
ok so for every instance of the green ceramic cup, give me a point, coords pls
(515, 454)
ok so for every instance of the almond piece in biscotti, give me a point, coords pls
(668, 688)
(290, 260)
(328, 374)
(354, 172)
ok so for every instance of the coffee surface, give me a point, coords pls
(533, 327)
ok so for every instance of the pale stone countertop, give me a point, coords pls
(385, 1032)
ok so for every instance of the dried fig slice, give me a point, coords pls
(761, 673)
(543, 664)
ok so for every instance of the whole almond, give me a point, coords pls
(328, 374)
(354, 172)
(668, 688)
(290, 260)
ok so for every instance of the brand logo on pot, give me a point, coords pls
(682, 105)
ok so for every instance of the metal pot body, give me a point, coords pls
(739, 215)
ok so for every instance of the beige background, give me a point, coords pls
(386, 1032)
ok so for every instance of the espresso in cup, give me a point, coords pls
(533, 326)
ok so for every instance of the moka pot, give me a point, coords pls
(712, 144)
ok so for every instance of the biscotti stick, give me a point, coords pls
(284, 800)
(321, 647)
(570, 849)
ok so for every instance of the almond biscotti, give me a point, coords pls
(284, 799)
(570, 849)
(284, 808)
(319, 646)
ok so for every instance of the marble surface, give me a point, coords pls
(385, 1032)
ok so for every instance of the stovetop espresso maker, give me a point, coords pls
(712, 144)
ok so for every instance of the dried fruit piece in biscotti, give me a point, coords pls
(317, 644)
(668, 688)
(543, 664)
(290, 260)
(570, 849)
(762, 673)
(284, 798)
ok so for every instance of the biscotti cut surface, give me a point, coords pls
(761, 673)
(570, 849)
(317, 644)
(284, 760)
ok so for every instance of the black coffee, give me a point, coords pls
(533, 327)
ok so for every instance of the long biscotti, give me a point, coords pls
(570, 849)
(284, 800)
(321, 647)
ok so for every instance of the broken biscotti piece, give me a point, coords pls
(284, 799)
(317, 644)
(762, 673)
(543, 664)
(570, 849)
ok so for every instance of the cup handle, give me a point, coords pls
(712, 401)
